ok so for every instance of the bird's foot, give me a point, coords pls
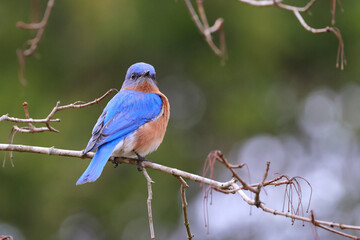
(140, 160)
(116, 163)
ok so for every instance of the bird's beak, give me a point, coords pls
(146, 74)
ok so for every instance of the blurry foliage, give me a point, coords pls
(86, 49)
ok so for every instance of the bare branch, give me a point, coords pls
(36, 26)
(204, 28)
(340, 59)
(32, 43)
(220, 186)
(184, 185)
(258, 189)
(297, 217)
(263, 3)
(333, 9)
(151, 223)
(294, 8)
(221, 158)
(45, 150)
(337, 232)
(32, 129)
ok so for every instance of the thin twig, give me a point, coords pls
(206, 30)
(333, 9)
(221, 158)
(297, 217)
(294, 8)
(337, 232)
(316, 224)
(151, 223)
(33, 43)
(184, 185)
(32, 129)
(258, 188)
(202, 24)
(340, 59)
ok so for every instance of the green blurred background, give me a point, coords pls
(86, 50)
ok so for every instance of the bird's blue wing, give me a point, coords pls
(124, 114)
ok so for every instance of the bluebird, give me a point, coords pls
(133, 123)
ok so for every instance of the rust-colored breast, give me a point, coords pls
(150, 135)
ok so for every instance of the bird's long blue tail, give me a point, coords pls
(98, 162)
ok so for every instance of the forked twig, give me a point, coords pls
(217, 155)
(49, 119)
(259, 186)
(32, 43)
(206, 30)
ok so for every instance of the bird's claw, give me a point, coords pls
(115, 163)
(140, 160)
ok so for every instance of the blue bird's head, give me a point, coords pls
(139, 74)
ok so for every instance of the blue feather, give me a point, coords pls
(98, 162)
(122, 116)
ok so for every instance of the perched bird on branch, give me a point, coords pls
(133, 123)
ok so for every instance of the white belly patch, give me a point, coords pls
(125, 147)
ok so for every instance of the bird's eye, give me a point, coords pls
(133, 76)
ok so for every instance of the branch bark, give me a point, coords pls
(226, 187)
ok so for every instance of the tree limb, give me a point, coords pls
(228, 186)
